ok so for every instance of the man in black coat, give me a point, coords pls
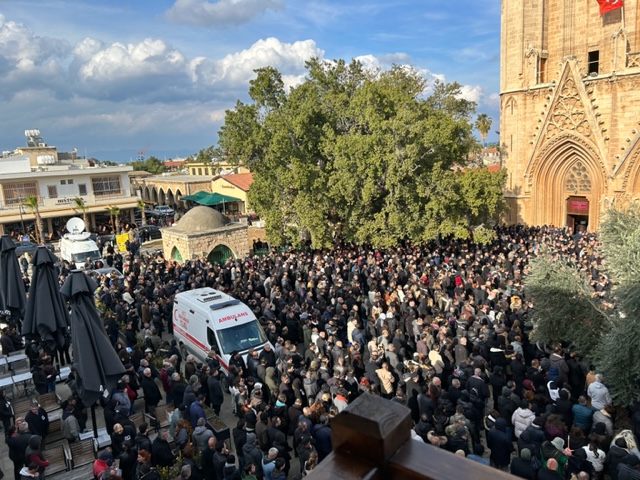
(322, 436)
(220, 459)
(207, 459)
(499, 441)
(269, 355)
(521, 466)
(215, 391)
(17, 444)
(6, 411)
(38, 420)
(152, 395)
(161, 454)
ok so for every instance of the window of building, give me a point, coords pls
(542, 71)
(82, 189)
(63, 182)
(53, 191)
(593, 62)
(106, 186)
(15, 193)
(199, 171)
(578, 179)
(70, 181)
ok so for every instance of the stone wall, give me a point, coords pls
(200, 244)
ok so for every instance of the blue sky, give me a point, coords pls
(111, 77)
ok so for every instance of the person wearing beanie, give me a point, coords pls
(554, 450)
(103, 462)
(201, 435)
(231, 472)
(521, 466)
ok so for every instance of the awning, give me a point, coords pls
(208, 199)
(194, 197)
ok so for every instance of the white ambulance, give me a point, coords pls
(206, 319)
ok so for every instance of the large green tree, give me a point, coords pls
(361, 155)
(151, 164)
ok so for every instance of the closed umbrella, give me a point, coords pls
(97, 364)
(12, 296)
(46, 317)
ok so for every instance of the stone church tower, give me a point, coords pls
(569, 109)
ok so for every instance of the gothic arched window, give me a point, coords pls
(578, 179)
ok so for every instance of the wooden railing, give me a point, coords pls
(371, 441)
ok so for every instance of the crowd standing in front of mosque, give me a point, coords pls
(441, 328)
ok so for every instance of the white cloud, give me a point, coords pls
(472, 93)
(238, 68)
(219, 13)
(149, 57)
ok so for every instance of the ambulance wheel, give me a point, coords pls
(224, 381)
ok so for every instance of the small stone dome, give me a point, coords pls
(201, 219)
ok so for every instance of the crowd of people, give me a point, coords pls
(442, 328)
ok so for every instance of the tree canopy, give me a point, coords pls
(150, 164)
(360, 155)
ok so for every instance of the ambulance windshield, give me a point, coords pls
(241, 337)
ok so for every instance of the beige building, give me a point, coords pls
(214, 168)
(56, 181)
(234, 185)
(570, 109)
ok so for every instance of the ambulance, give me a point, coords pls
(206, 319)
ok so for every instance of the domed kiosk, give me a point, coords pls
(204, 232)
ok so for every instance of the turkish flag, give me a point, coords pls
(606, 5)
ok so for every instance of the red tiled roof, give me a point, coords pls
(173, 163)
(493, 168)
(241, 180)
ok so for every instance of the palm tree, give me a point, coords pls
(142, 215)
(80, 205)
(113, 215)
(32, 203)
(483, 125)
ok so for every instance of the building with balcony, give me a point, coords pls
(56, 181)
(569, 116)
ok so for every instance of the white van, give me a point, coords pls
(206, 319)
(78, 246)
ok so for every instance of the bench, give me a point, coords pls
(56, 458)
(49, 401)
(81, 473)
(163, 416)
(137, 419)
(21, 407)
(82, 453)
(55, 425)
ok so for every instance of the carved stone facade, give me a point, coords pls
(570, 110)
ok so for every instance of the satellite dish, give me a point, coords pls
(75, 225)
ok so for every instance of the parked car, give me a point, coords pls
(153, 232)
(164, 210)
(110, 272)
(23, 247)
